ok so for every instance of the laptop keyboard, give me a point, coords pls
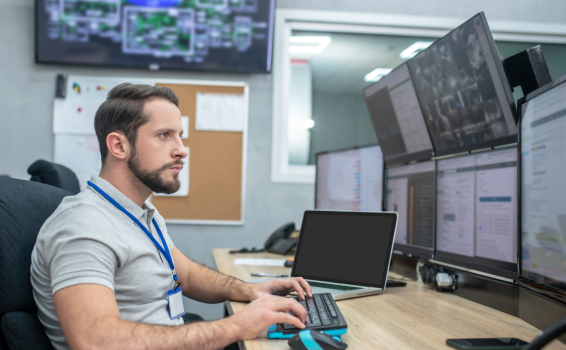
(320, 311)
(332, 286)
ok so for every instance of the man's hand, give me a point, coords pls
(265, 311)
(281, 287)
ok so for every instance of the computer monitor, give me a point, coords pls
(463, 90)
(350, 179)
(397, 118)
(543, 186)
(476, 212)
(410, 191)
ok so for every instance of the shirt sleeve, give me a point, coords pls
(85, 249)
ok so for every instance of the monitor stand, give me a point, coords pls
(528, 70)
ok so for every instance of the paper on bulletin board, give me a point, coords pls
(183, 177)
(185, 124)
(220, 112)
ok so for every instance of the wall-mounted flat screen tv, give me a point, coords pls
(204, 35)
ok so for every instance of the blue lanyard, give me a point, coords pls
(164, 250)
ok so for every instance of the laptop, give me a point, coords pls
(345, 253)
(342, 255)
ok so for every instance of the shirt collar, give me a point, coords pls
(118, 196)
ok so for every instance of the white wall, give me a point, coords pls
(300, 110)
(27, 91)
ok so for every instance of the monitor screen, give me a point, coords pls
(463, 90)
(350, 180)
(345, 247)
(410, 193)
(476, 211)
(543, 187)
(397, 118)
(211, 35)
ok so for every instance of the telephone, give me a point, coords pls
(278, 243)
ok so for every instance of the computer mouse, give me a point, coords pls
(315, 340)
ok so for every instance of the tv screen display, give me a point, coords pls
(463, 91)
(206, 35)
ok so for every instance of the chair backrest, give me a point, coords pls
(55, 175)
(24, 207)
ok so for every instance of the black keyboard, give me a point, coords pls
(322, 313)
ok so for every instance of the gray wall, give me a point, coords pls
(341, 121)
(27, 91)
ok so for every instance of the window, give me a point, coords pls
(324, 60)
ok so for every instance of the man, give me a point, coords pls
(103, 265)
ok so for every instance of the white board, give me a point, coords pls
(75, 114)
(80, 153)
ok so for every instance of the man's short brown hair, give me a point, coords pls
(123, 111)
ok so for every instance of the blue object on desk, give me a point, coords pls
(315, 340)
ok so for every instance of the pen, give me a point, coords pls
(261, 274)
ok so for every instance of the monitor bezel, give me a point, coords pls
(385, 270)
(416, 251)
(490, 266)
(145, 67)
(426, 154)
(549, 290)
(506, 87)
(339, 151)
(412, 250)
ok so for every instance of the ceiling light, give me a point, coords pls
(377, 74)
(414, 49)
(308, 44)
(309, 123)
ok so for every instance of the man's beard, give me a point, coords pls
(152, 179)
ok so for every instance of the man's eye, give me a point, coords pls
(164, 135)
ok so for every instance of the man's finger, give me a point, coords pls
(290, 304)
(286, 318)
(297, 309)
(299, 289)
(306, 286)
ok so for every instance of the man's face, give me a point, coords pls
(156, 158)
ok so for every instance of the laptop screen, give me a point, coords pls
(345, 247)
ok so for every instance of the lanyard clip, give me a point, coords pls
(174, 273)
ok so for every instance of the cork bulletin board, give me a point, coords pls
(216, 163)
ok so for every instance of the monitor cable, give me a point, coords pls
(547, 336)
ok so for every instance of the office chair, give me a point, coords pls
(24, 207)
(54, 175)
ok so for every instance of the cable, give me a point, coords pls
(547, 336)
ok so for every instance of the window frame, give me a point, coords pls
(287, 20)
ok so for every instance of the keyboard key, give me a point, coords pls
(319, 305)
(311, 304)
(314, 320)
(325, 319)
(288, 326)
(333, 313)
(304, 304)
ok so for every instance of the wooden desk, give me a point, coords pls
(411, 317)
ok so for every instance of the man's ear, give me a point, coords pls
(118, 145)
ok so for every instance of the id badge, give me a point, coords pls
(176, 307)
